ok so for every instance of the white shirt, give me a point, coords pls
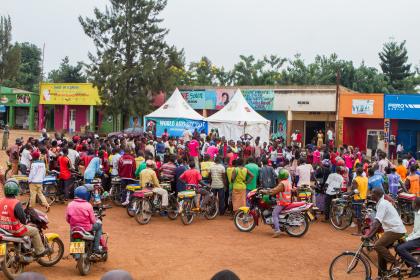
(335, 182)
(294, 136)
(388, 216)
(114, 163)
(304, 172)
(329, 135)
(26, 158)
(37, 173)
(416, 230)
(73, 155)
(400, 148)
(187, 136)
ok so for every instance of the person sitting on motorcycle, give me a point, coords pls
(283, 192)
(94, 168)
(193, 177)
(13, 218)
(79, 214)
(413, 242)
(148, 176)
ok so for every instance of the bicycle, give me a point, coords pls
(356, 265)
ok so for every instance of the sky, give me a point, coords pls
(224, 29)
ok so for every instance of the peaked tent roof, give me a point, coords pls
(237, 110)
(176, 107)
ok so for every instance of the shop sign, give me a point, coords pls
(402, 106)
(362, 107)
(260, 100)
(387, 131)
(69, 94)
(20, 99)
(175, 127)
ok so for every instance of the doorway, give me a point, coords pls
(72, 122)
(374, 141)
(311, 131)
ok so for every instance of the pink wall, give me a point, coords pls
(81, 116)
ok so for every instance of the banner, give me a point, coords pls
(200, 99)
(362, 107)
(223, 97)
(387, 131)
(402, 106)
(260, 100)
(69, 94)
(175, 127)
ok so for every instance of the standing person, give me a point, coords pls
(114, 161)
(168, 171)
(401, 170)
(205, 166)
(257, 149)
(412, 181)
(218, 183)
(65, 174)
(387, 216)
(94, 168)
(320, 138)
(193, 148)
(160, 149)
(248, 151)
(383, 162)
(304, 171)
(6, 135)
(359, 183)
(333, 186)
(393, 183)
(181, 168)
(375, 180)
(186, 135)
(126, 169)
(73, 156)
(241, 177)
(25, 159)
(413, 242)
(35, 179)
(267, 176)
(255, 171)
(212, 151)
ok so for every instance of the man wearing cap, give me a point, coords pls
(13, 153)
(148, 176)
(36, 177)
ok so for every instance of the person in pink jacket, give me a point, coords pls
(80, 214)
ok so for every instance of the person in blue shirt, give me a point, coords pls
(94, 168)
(394, 182)
(160, 149)
(376, 179)
(180, 186)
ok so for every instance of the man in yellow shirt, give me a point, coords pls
(148, 175)
(205, 168)
(360, 184)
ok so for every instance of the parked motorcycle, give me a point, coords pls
(149, 203)
(294, 219)
(133, 202)
(116, 191)
(50, 187)
(188, 207)
(404, 206)
(18, 252)
(81, 245)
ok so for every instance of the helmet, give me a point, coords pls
(283, 174)
(82, 193)
(11, 187)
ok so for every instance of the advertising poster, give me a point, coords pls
(223, 97)
(23, 99)
(175, 127)
(402, 106)
(362, 107)
(69, 94)
(200, 99)
(260, 100)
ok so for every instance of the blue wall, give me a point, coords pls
(407, 134)
(278, 120)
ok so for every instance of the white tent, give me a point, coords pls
(238, 118)
(176, 107)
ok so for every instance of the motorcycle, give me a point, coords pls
(18, 252)
(294, 219)
(149, 203)
(116, 191)
(188, 204)
(81, 245)
(404, 206)
(50, 187)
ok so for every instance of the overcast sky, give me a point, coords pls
(224, 29)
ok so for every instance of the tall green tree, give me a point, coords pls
(203, 72)
(248, 71)
(30, 66)
(9, 54)
(67, 73)
(132, 59)
(394, 65)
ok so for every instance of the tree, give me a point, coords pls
(132, 59)
(248, 71)
(29, 73)
(203, 72)
(9, 54)
(67, 73)
(394, 65)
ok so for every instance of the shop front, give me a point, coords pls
(18, 108)
(361, 121)
(404, 112)
(69, 107)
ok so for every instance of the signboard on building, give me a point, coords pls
(362, 107)
(260, 100)
(402, 106)
(200, 99)
(387, 131)
(175, 127)
(69, 94)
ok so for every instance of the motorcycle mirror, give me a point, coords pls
(356, 191)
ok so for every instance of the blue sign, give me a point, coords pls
(175, 127)
(402, 106)
(2, 109)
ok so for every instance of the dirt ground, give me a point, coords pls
(167, 249)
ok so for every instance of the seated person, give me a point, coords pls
(148, 176)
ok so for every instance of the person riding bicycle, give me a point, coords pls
(79, 214)
(148, 176)
(13, 218)
(387, 216)
(283, 192)
(413, 242)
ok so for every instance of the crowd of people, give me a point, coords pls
(231, 168)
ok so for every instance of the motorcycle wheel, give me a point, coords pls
(55, 255)
(187, 216)
(173, 208)
(116, 195)
(212, 208)
(84, 264)
(50, 194)
(244, 221)
(144, 213)
(297, 230)
(10, 265)
(133, 206)
(341, 221)
(105, 257)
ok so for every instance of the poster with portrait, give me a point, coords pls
(23, 99)
(223, 96)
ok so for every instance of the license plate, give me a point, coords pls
(3, 249)
(77, 247)
(311, 216)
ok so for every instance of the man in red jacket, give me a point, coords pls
(126, 169)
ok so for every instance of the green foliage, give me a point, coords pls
(132, 59)
(9, 54)
(67, 73)
(29, 74)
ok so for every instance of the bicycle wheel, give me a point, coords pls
(341, 216)
(348, 265)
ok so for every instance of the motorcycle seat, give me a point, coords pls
(5, 232)
(407, 196)
(133, 187)
(294, 205)
(50, 179)
(83, 233)
(143, 193)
